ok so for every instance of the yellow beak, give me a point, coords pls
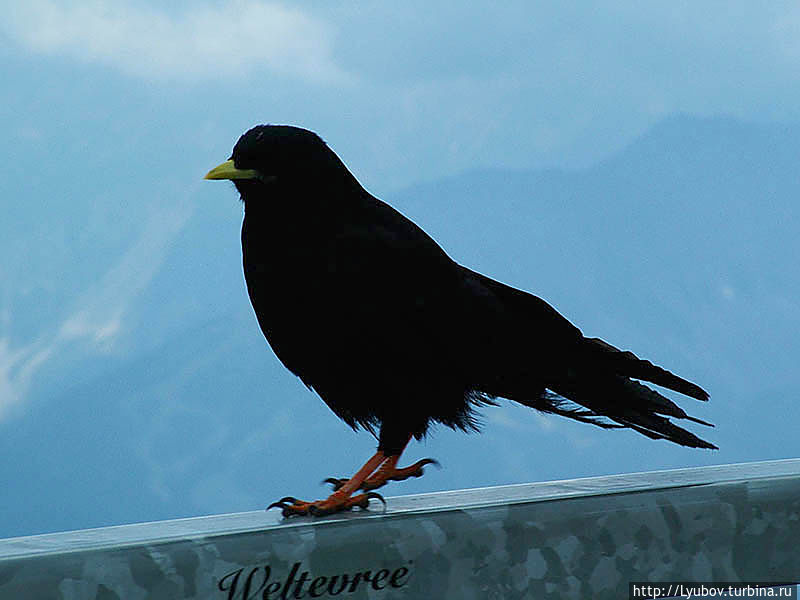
(228, 170)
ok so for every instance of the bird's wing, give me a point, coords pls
(383, 270)
(525, 311)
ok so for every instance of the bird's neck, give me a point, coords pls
(311, 203)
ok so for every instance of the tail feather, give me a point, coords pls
(628, 364)
(660, 428)
(559, 405)
(625, 403)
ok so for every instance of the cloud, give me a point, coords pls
(97, 316)
(17, 367)
(201, 43)
(100, 309)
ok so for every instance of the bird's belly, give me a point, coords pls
(323, 344)
(349, 341)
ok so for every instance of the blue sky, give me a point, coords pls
(118, 255)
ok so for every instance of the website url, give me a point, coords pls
(699, 591)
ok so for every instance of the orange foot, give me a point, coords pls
(336, 502)
(388, 471)
(341, 499)
(376, 472)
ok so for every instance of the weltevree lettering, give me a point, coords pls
(255, 583)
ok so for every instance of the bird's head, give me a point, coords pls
(277, 153)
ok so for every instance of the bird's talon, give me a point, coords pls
(376, 496)
(421, 464)
(335, 482)
(291, 511)
(291, 506)
(283, 502)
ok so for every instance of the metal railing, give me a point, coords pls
(581, 538)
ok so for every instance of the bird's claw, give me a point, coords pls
(291, 506)
(372, 496)
(415, 470)
(336, 482)
(361, 501)
(283, 502)
(376, 496)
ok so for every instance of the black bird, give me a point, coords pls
(369, 312)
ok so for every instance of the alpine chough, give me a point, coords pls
(369, 312)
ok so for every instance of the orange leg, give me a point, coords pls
(341, 499)
(387, 471)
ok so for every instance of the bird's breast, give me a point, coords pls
(327, 310)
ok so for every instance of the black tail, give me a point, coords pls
(602, 385)
(586, 379)
(628, 364)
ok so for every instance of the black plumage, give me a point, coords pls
(366, 308)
